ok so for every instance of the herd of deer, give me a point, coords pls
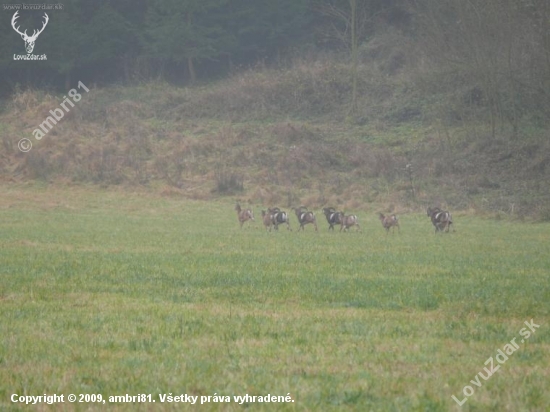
(273, 217)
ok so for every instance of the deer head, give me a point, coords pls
(29, 40)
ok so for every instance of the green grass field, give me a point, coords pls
(114, 293)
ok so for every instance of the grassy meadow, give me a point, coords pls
(110, 292)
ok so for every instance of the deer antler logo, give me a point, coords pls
(29, 40)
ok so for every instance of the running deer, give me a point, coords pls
(244, 215)
(267, 218)
(304, 217)
(389, 222)
(333, 217)
(279, 217)
(441, 219)
(349, 221)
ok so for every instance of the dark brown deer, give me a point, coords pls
(441, 219)
(389, 222)
(279, 217)
(267, 218)
(333, 217)
(349, 221)
(244, 215)
(304, 217)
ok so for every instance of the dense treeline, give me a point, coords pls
(496, 53)
(181, 41)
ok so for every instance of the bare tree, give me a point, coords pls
(349, 24)
(498, 50)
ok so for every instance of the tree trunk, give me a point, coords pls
(68, 80)
(353, 107)
(191, 69)
(126, 68)
(190, 64)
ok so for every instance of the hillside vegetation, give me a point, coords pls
(285, 134)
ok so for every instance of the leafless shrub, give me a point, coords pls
(543, 213)
(228, 182)
(25, 100)
(37, 164)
